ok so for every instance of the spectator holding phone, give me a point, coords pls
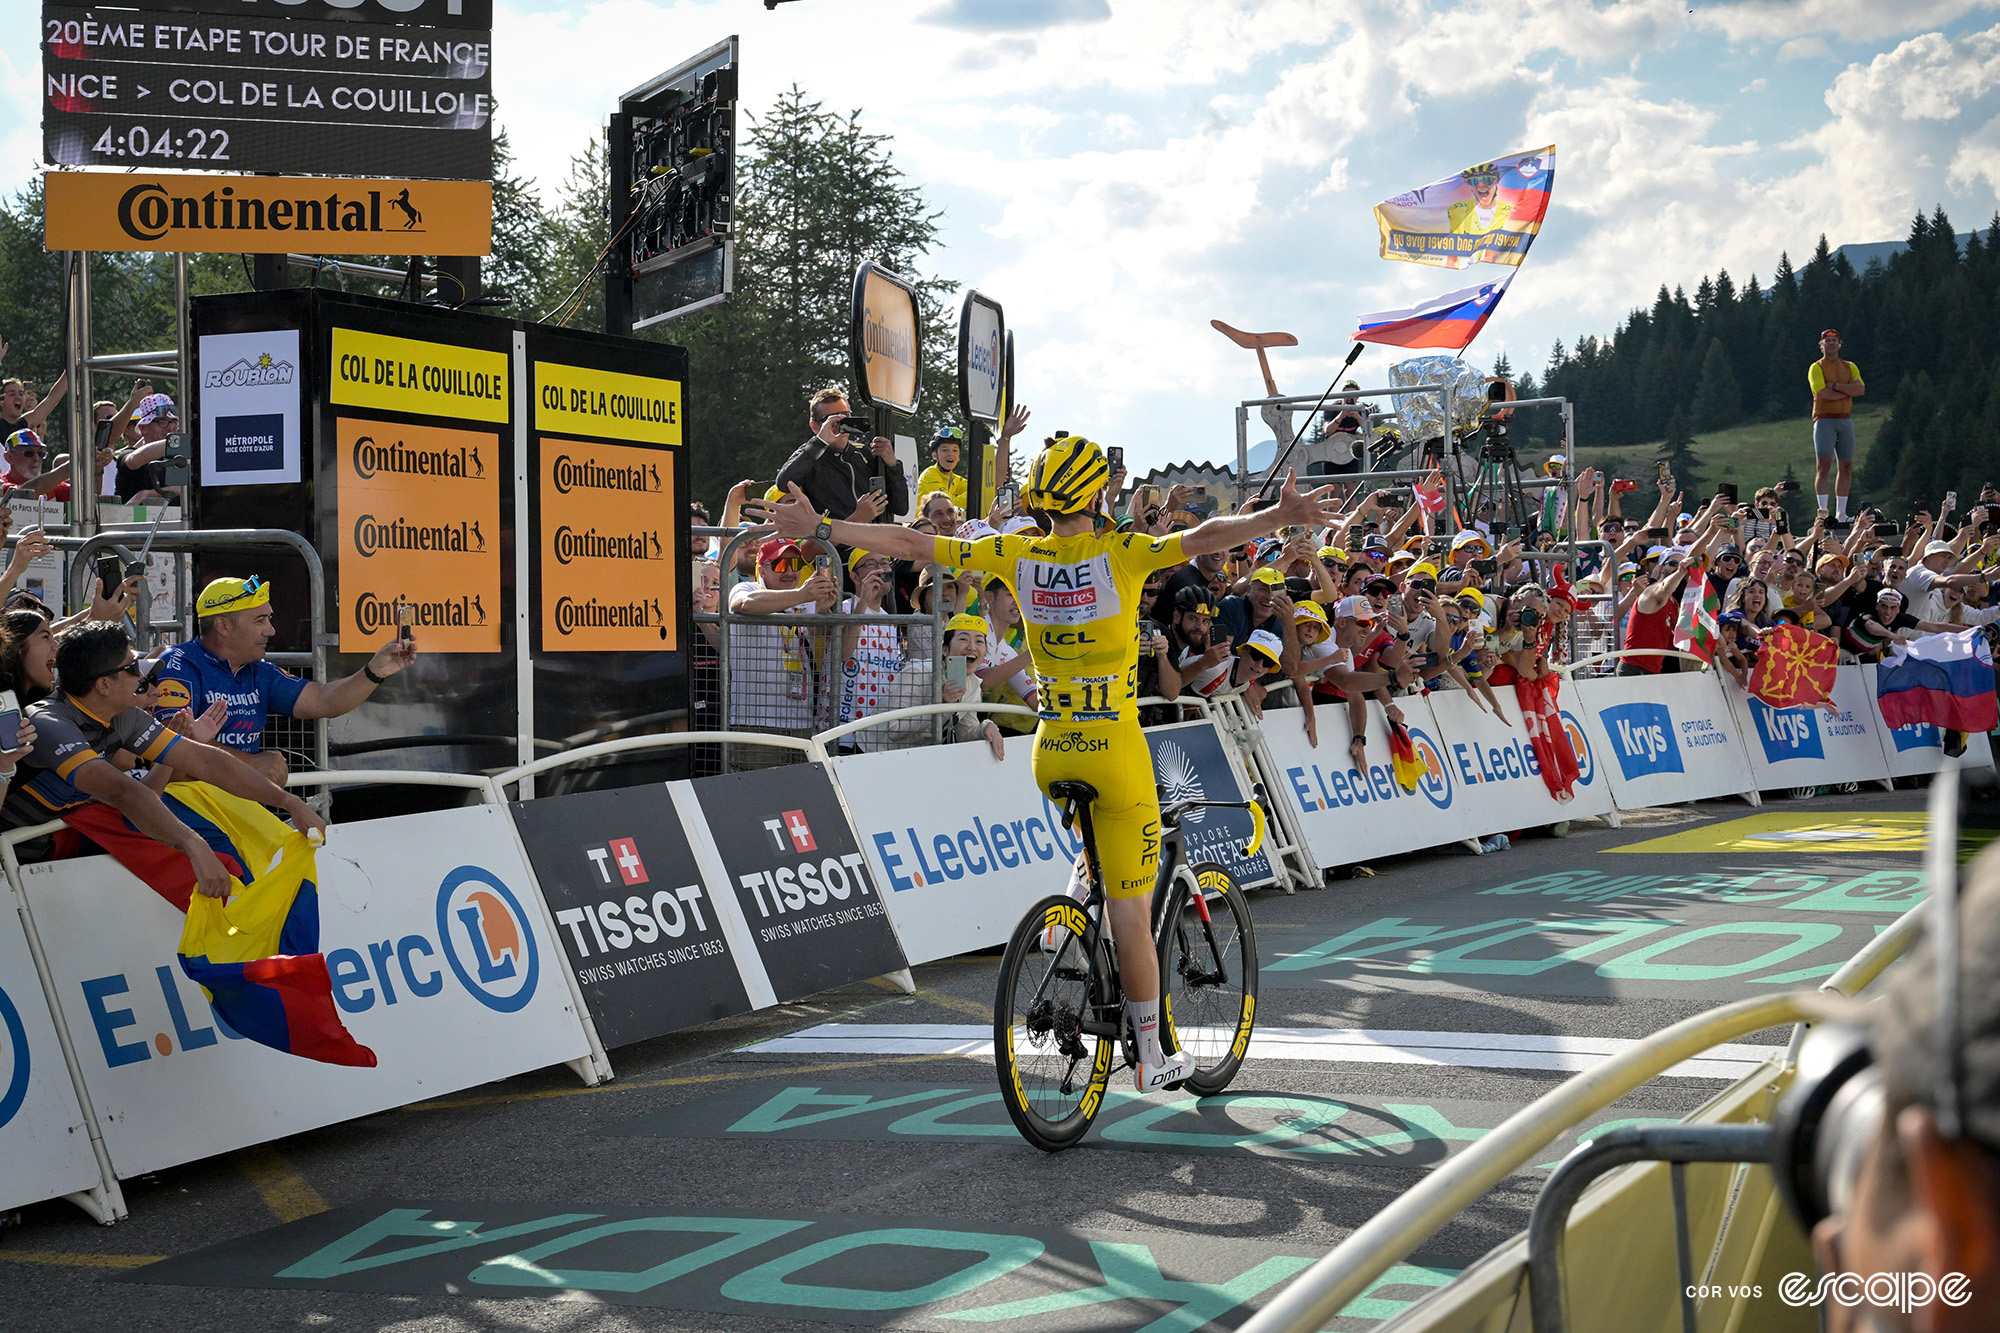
(227, 661)
(834, 470)
(141, 477)
(871, 652)
(965, 642)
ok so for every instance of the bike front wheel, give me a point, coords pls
(1208, 974)
(1052, 1072)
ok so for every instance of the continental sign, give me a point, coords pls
(610, 573)
(419, 516)
(378, 370)
(91, 210)
(886, 341)
(581, 401)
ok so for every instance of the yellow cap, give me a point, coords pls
(1471, 594)
(225, 595)
(1423, 569)
(965, 623)
(855, 557)
(1333, 553)
(774, 495)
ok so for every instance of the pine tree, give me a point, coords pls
(1718, 403)
(1677, 452)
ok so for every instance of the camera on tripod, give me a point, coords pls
(1498, 447)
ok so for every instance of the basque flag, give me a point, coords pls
(1452, 320)
(257, 955)
(1943, 679)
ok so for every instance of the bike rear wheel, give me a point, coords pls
(1052, 1072)
(1208, 976)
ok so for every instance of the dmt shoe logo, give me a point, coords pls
(1787, 733)
(1642, 736)
(488, 939)
(13, 1060)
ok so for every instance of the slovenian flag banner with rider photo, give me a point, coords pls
(257, 956)
(1450, 321)
(1485, 214)
(1943, 679)
(1698, 627)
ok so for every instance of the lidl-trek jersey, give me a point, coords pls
(1079, 599)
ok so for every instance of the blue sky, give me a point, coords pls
(1119, 172)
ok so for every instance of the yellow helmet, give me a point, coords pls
(1067, 475)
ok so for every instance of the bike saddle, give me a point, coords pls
(1253, 340)
(1081, 792)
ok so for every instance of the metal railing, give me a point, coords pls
(1408, 1221)
(229, 539)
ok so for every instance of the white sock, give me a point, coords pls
(1822, 500)
(1840, 507)
(1146, 1028)
(1079, 884)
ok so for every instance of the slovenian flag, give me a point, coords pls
(257, 956)
(1943, 679)
(1450, 321)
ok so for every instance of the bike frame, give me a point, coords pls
(1107, 1001)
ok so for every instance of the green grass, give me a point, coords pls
(1751, 456)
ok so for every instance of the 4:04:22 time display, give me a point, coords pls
(195, 144)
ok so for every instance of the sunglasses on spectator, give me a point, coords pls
(31, 451)
(785, 564)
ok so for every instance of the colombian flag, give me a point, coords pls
(1410, 767)
(257, 956)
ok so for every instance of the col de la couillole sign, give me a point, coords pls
(166, 212)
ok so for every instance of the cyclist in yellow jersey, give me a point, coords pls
(1078, 589)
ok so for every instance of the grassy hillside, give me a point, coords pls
(1751, 456)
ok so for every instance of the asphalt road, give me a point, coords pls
(719, 1185)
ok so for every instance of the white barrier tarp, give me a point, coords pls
(442, 961)
(1350, 816)
(1664, 739)
(960, 844)
(1811, 747)
(1491, 767)
(44, 1143)
(1919, 748)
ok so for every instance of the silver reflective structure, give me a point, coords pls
(1422, 414)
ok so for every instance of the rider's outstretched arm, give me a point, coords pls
(795, 517)
(1294, 507)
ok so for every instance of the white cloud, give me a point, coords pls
(1848, 20)
(1804, 48)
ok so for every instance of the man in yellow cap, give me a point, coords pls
(226, 665)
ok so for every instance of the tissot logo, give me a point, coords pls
(792, 824)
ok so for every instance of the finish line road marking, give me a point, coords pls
(1483, 1050)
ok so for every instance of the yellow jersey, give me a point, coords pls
(935, 478)
(1079, 599)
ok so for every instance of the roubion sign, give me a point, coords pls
(249, 407)
(802, 885)
(632, 914)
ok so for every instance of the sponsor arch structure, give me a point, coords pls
(517, 491)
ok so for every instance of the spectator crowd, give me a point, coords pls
(1393, 599)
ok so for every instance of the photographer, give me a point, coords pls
(838, 474)
(1916, 1198)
